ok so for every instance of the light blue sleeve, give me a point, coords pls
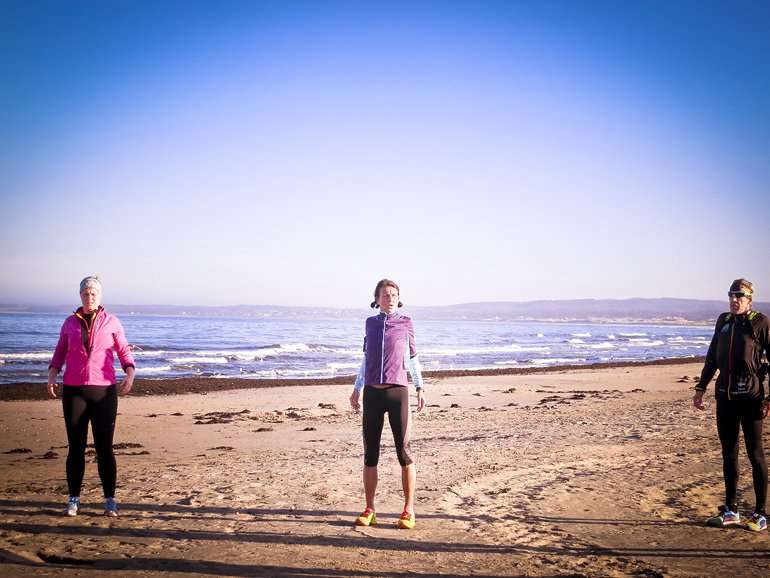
(359, 384)
(414, 367)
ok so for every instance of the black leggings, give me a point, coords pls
(732, 416)
(394, 401)
(99, 405)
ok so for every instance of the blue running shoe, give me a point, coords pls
(73, 505)
(757, 523)
(725, 517)
(111, 508)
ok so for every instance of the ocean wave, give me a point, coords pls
(33, 355)
(513, 348)
(554, 360)
(159, 369)
(575, 341)
(199, 359)
(586, 334)
(603, 345)
(632, 334)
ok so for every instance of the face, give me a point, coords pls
(388, 300)
(91, 299)
(739, 303)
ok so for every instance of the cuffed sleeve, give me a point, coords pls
(710, 367)
(359, 384)
(415, 370)
(60, 353)
(122, 348)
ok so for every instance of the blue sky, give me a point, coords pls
(294, 153)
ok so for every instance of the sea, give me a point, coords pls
(249, 347)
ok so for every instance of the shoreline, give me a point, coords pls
(29, 391)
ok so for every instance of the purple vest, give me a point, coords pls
(385, 348)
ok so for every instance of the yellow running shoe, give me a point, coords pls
(406, 521)
(367, 518)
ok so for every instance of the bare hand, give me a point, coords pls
(53, 388)
(354, 400)
(697, 401)
(765, 409)
(126, 385)
(420, 400)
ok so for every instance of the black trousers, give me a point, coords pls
(97, 405)
(732, 416)
(393, 400)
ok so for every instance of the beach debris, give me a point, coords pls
(510, 390)
(177, 413)
(327, 406)
(221, 448)
(477, 394)
(262, 429)
(19, 451)
(455, 405)
(126, 446)
(50, 455)
(151, 415)
(309, 428)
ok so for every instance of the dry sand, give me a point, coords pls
(590, 472)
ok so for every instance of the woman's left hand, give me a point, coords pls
(420, 400)
(765, 408)
(128, 382)
(126, 385)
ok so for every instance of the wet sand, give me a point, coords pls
(571, 472)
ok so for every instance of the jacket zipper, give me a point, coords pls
(730, 360)
(382, 352)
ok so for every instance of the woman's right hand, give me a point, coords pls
(354, 399)
(697, 400)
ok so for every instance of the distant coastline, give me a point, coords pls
(659, 311)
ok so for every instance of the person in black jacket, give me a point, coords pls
(738, 351)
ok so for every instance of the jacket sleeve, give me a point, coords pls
(359, 384)
(121, 346)
(710, 367)
(413, 361)
(59, 354)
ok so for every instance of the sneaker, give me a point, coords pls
(111, 508)
(367, 518)
(757, 523)
(73, 505)
(725, 517)
(406, 521)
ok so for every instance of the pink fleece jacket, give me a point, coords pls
(92, 365)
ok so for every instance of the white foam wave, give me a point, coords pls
(587, 334)
(632, 334)
(159, 369)
(337, 366)
(556, 360)
(575, 341)
(513, 348)
(34, 355)
(645, 343)
(603, 345)
(198, 359)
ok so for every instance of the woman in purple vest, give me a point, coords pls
(389, 351)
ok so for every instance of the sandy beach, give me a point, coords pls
(581, 472)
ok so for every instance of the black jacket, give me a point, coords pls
(736, 350)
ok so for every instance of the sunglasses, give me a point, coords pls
(738, 294)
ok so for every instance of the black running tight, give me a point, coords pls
(732, 416)
(393, 400)
(99, 406)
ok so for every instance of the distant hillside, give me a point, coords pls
(661, 310)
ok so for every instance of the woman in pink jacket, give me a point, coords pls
(87, 341)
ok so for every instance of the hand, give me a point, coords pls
(765, 408)
(420, 400)
(53, 388)
(354, 397)
(126, 385)
(697, 401)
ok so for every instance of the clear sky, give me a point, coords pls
(293, 153)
